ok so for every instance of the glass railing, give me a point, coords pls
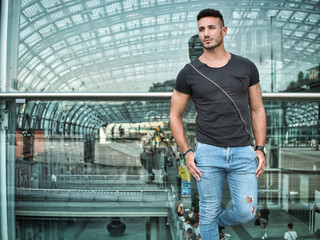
(108, 168)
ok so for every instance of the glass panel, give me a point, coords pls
(96, 149)
(73, 173)
(100, 165)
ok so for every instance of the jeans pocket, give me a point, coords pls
(197, 146)
(253, 152)
(196, 151)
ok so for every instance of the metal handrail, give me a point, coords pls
(20, 190)
(88, 96)
(118, 96)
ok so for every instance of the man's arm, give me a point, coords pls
(179, 103)
(259, 123)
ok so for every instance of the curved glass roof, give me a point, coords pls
(126, 46)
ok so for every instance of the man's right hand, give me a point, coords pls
(192, 166)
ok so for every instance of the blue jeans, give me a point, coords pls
(238, 165)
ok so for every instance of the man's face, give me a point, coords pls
(211, 32)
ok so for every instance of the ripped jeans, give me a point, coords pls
(237, 165)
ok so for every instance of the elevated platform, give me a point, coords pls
(92, 203)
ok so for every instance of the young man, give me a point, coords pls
(224, 144)
(290, 235)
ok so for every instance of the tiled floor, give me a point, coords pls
(277, 226)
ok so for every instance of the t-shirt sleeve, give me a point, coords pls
(254, 74)
(182, 84)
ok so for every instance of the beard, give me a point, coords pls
(216, 43)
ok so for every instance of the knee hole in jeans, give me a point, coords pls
(249, 200)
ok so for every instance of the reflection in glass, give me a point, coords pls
(100, 165)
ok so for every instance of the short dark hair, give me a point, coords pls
(209, 12)
(290, 225)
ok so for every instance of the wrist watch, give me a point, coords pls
(261, 148)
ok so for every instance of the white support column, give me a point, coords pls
(4, 44)
(3, 80)
(9, 42)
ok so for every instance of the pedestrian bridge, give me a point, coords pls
(93, 203)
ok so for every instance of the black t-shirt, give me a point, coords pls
(218, 122)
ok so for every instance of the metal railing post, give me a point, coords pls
(311, 218)
(3, 171)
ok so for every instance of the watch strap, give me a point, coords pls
(186, 152)
(261, 148)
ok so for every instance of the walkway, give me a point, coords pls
(278, 220)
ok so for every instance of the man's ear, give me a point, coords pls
(224, 31)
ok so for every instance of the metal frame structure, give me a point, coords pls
(76, 46)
